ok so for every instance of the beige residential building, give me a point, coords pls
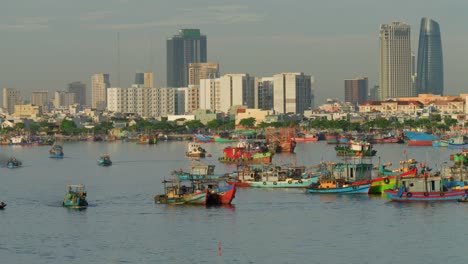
(391, 107)
(292, 92)
(11, 97)
(395, 61)
(40, 98)
(202, 70)
(27, 111)
(62, 99)
(99, 84)
(193, 98)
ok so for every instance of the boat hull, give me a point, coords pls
(198, 198)
(306, 139)
(420, 143)
(261, 160)
(395, 196)
(289, 183)
(352, 189)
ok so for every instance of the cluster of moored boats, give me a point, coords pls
(411, 181)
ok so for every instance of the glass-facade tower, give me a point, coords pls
(187, 47)
(430, 68)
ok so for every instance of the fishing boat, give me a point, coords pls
(244, 153)
(75, 197)
(104, 160)
(223, 138)
(13, 163)
(419, 138)
(426, 188)
(197, 171)
(301, 137)
(346, 178)
(2, 205)
(458, 143)
(196, 192)
(356, 149)
(195, 150)
(56, 151)
(18, 140)
(200, 138)
(273, 177)
(387, 178)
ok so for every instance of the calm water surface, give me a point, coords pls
(123, 225)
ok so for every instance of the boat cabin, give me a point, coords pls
(202, 169)
(423, 184)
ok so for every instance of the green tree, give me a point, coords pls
(436, 118)
(34, 128)
(194, 125)
(67, 126)
(450, 121)
(214, 124)
(248, 122)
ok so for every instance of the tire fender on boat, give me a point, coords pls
(264, 183)
(289, 181)
(426, 194)
(275, 183)
(466, 191)
(442, 193)
(386, 180)
(408, 194)
(299, 181)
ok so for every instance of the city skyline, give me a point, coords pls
(56, 48)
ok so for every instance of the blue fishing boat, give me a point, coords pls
(104, 160)
(13, 163)
(75, 197)
(346, 178)
(197, 171)
(340, 186)
(56, 152)
(203, 138)
(458, 143)
(428, 188)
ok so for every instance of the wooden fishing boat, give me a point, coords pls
(340, 186)
(273, 177)
(197, 192)
(380, 184)
(56, 151)
(198, 171)
(356, 149)
(301, 137)
(426, 188)
(195, 150)
(200, 138)
(13, 163)
(75, 197)
(345, 178)
(104, 160)
(243, 154)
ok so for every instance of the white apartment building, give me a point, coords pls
(40, 98)
(292, 92)
(147, 102)
(11, 97)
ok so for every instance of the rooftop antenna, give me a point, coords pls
(118, 59)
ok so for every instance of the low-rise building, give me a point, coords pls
(27, 111)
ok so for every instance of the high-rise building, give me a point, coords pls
(395, 61)
(99, 84)
(374, 93)
(39, 98)
(63, 99)
(11, 97)
(79, 89)
(188, 46)
(263, 93)
(356, 90)
(144, 79)
(292, 92)
(203, 70)
(430, 77)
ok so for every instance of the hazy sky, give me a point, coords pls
(46, 44)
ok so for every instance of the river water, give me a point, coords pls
(124, 225)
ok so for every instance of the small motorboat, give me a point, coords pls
(56, 152)
(104, 160)
(13, 163)
(2, 205)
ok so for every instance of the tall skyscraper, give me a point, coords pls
(187, 47)
(292, 92)
(63, 99)
(79, 89)
(204, 70)
(99, 84)
(144, 79)
(11, 97)
(263, 92)
(356, 90)
(430, 77)
(395, 61)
